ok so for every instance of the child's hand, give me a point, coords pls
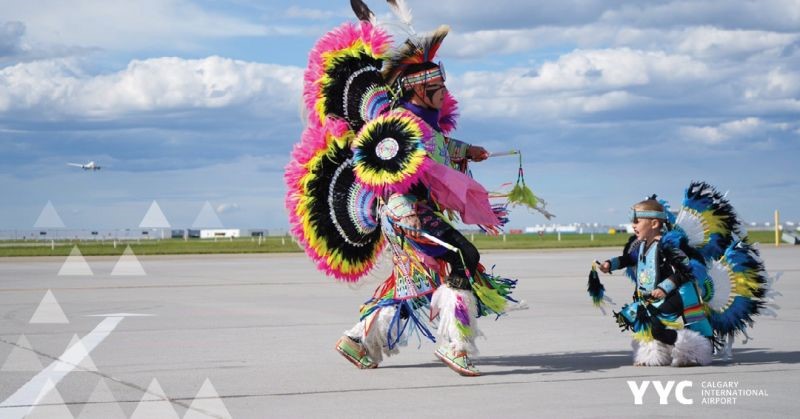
(604, 267)
(658, 294)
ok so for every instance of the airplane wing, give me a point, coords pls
(74, 164)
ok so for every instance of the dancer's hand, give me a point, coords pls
(412, 225)
(477, 153)
(658, 294)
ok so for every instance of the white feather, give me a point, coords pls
(651, 354)
(723, 286)
(691, 348)
(692, 225)
(376, 342)
(445, 300)
(402, 11)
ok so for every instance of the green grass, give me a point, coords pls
(286, 245)
(150, 247)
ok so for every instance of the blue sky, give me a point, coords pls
(191, 101)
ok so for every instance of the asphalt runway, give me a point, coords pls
(252, 336)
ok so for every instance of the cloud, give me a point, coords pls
(508, 14)
(125, 25)
(312, 14)
(60, 89)
(778, 83)
(11, 34)
(715, 42)
(579, 82)
(773, 15)
(727, 131)
(227, 208)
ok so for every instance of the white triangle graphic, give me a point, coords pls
(48, 218)
(22, 358)
(207, 400)
(154, 404)
(207, 218)
(49, 311)
(102, 404)
(76, 349)
(154, 218)
(50, 405)
(75, 265)
(128, 264)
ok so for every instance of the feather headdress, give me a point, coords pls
(416, 50)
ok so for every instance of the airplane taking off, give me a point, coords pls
(88, 166)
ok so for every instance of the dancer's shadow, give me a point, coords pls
(545, 363)
(552, 363)
(760, 356)
(604, 360)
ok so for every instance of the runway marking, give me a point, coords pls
(30, 394)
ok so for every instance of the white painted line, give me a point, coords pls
(29, 395)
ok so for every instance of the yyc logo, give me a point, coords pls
(663, 391)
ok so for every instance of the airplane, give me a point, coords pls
(88, 166)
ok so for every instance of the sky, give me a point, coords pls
(185, 102)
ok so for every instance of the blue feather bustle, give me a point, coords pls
(744, 261)
(702, 197)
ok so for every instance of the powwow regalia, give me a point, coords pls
(713, 279)
(373, 172)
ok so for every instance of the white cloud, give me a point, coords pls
(615, 68)
(593, 70)
(60, 88)
(121, 24)
(309, 13)
(227, 208)
(747, 127)
(777, 15)
(779, 83)
(712, 41)
(11, 34)
(579, 82)
(492, 42)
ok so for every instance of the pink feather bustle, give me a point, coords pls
(314, 143)
(337, 43)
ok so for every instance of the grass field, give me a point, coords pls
(285, 244)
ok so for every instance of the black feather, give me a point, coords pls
(362, 11)
(595, 287)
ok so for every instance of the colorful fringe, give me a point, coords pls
(462, 318)
(493, 292)
(521, 194)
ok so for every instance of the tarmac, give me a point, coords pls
(252, 336)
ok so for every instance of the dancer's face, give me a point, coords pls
(431, 94)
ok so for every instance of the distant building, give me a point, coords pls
(554, 228)
(213, 233)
